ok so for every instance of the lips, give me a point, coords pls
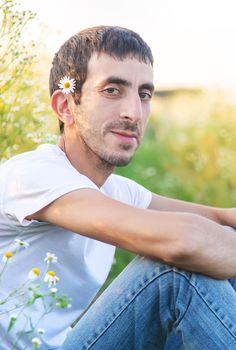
(125, 133)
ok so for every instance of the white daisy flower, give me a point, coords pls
(7, 256)
(36, 342)
(51, 278)
(34, 273)
(67, 85)
(21, 244)
(41, 331)
(50, 258)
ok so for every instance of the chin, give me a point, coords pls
(116, 158)
(122, 163)
(119, 161)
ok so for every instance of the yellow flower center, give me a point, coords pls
(8, 254)
(51, 273)
(36, 270)
(66, 85)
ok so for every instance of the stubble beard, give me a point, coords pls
(107, 158)
(119, 158)
(115, 159)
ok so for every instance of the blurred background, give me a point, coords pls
(190, 144)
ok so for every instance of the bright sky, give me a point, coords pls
(193, 41)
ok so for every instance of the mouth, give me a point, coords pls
(125, 135)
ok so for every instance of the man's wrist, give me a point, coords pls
(226, 216)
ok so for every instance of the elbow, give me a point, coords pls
(183, 250)
(178, 254)
(197, 246)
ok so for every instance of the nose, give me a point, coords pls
(131, 108)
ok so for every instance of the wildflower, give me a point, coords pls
(36, 342)
(50, 258)
(51, 278)
(13, 317)
(34, 273)
(67, 85)
(41, 331)
(53, 290)
(7, 256)
(21, 244)
(62, 301)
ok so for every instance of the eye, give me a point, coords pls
(145, 96)
(111, 91)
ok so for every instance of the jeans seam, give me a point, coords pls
(131, 300)
(174, 293)
(209, 306)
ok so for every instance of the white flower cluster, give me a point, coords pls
(32, 291)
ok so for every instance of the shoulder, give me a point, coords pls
(117, 183)
(33, 159)
(44, 170)
(33, 180)
(127, 191)
(47, 164)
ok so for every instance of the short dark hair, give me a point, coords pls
(73, 56)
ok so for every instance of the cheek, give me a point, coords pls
(146, 114)
(102, 114)
(83, 124)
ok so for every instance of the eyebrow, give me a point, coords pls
(124, 82)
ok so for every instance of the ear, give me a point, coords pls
(60, 105)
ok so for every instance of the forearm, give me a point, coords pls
(220, 215)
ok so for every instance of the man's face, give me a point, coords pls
(114, 107)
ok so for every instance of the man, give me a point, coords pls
(64, 198)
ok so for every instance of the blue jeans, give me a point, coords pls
(154, 306)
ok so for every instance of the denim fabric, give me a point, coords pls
(155, 306)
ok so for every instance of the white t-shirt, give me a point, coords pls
(29, 182)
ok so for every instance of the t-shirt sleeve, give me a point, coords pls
(33, 185)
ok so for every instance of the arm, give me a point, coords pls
(222, 216)
(185, 240)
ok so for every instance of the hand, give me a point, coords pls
(227, 217)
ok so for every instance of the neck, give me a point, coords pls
(86, 162)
